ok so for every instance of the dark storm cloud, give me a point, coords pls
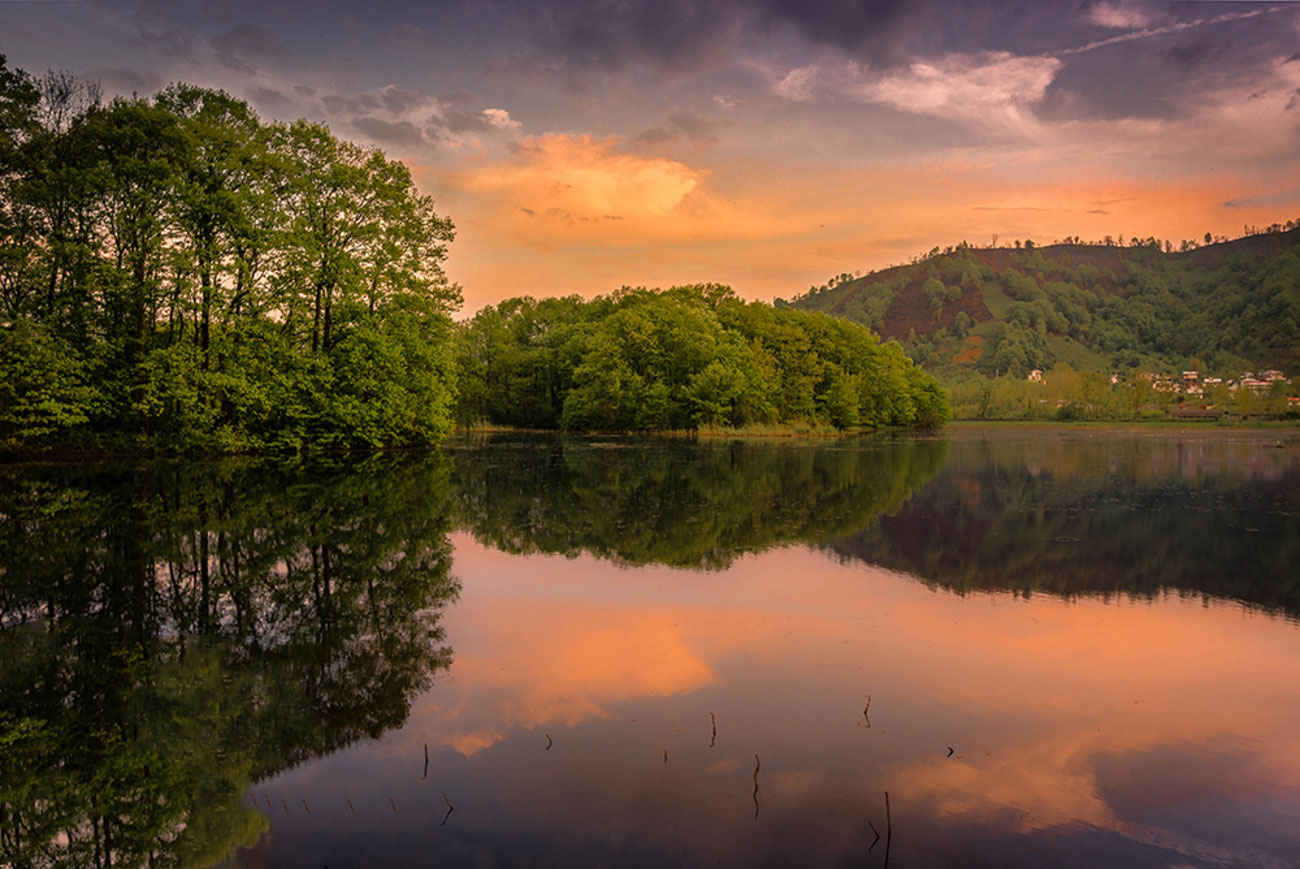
(460, 121)
(399, 100)
(241, 44)
(459, 96)
(1194, 53)
(119, 79)
(611, 34)
(270, 98)
(688, 35)
(882, 28)
(696, 129)
(1165, 71)
(351, 104)
(401, 133)
(167, 41)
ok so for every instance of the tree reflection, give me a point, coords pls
(1108, 517)
(170, 633)
(683, 503)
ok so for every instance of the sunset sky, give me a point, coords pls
(580, 146)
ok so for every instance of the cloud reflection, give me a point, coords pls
(1134, 719)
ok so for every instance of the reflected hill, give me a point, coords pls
(1069, 513)
(170, 633)
(679, 502)
(1102, 515)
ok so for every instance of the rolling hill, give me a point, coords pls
(1223, 307)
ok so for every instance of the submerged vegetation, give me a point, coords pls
(685, 358)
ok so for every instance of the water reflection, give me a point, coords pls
(683, 503)
(173, 632)
(1084, 732)
(1065, 512)
(1210, 513)
(200, 656)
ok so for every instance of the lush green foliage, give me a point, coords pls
(176, 273)
(1231, 306)
(684, 358)
(1065, 394)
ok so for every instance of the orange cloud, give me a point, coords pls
(572, 214)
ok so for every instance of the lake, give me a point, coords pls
(984, 647)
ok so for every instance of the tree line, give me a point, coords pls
(689, 357)
(176, 272)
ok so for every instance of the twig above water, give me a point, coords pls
(450, 809)
(889, 829)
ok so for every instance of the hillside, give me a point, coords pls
(1222, 307)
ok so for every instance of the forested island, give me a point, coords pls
(178, 274)
(686, 358)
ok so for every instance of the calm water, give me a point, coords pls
(1070, 648)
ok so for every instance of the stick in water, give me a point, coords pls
(757, 764)
(450, 809)
(714, 741)
(549, 742)
(889, 829)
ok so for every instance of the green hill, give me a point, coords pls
(1230, 306)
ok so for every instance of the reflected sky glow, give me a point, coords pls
(1146, 726)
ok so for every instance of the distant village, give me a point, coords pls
(1194, 396)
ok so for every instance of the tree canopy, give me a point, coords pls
(175, 272)
(1233, 305)
(688, 357)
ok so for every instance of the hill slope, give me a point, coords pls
(1223, 307)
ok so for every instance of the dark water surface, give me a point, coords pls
(1065, 647)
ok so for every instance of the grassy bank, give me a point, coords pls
(1135, 424)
